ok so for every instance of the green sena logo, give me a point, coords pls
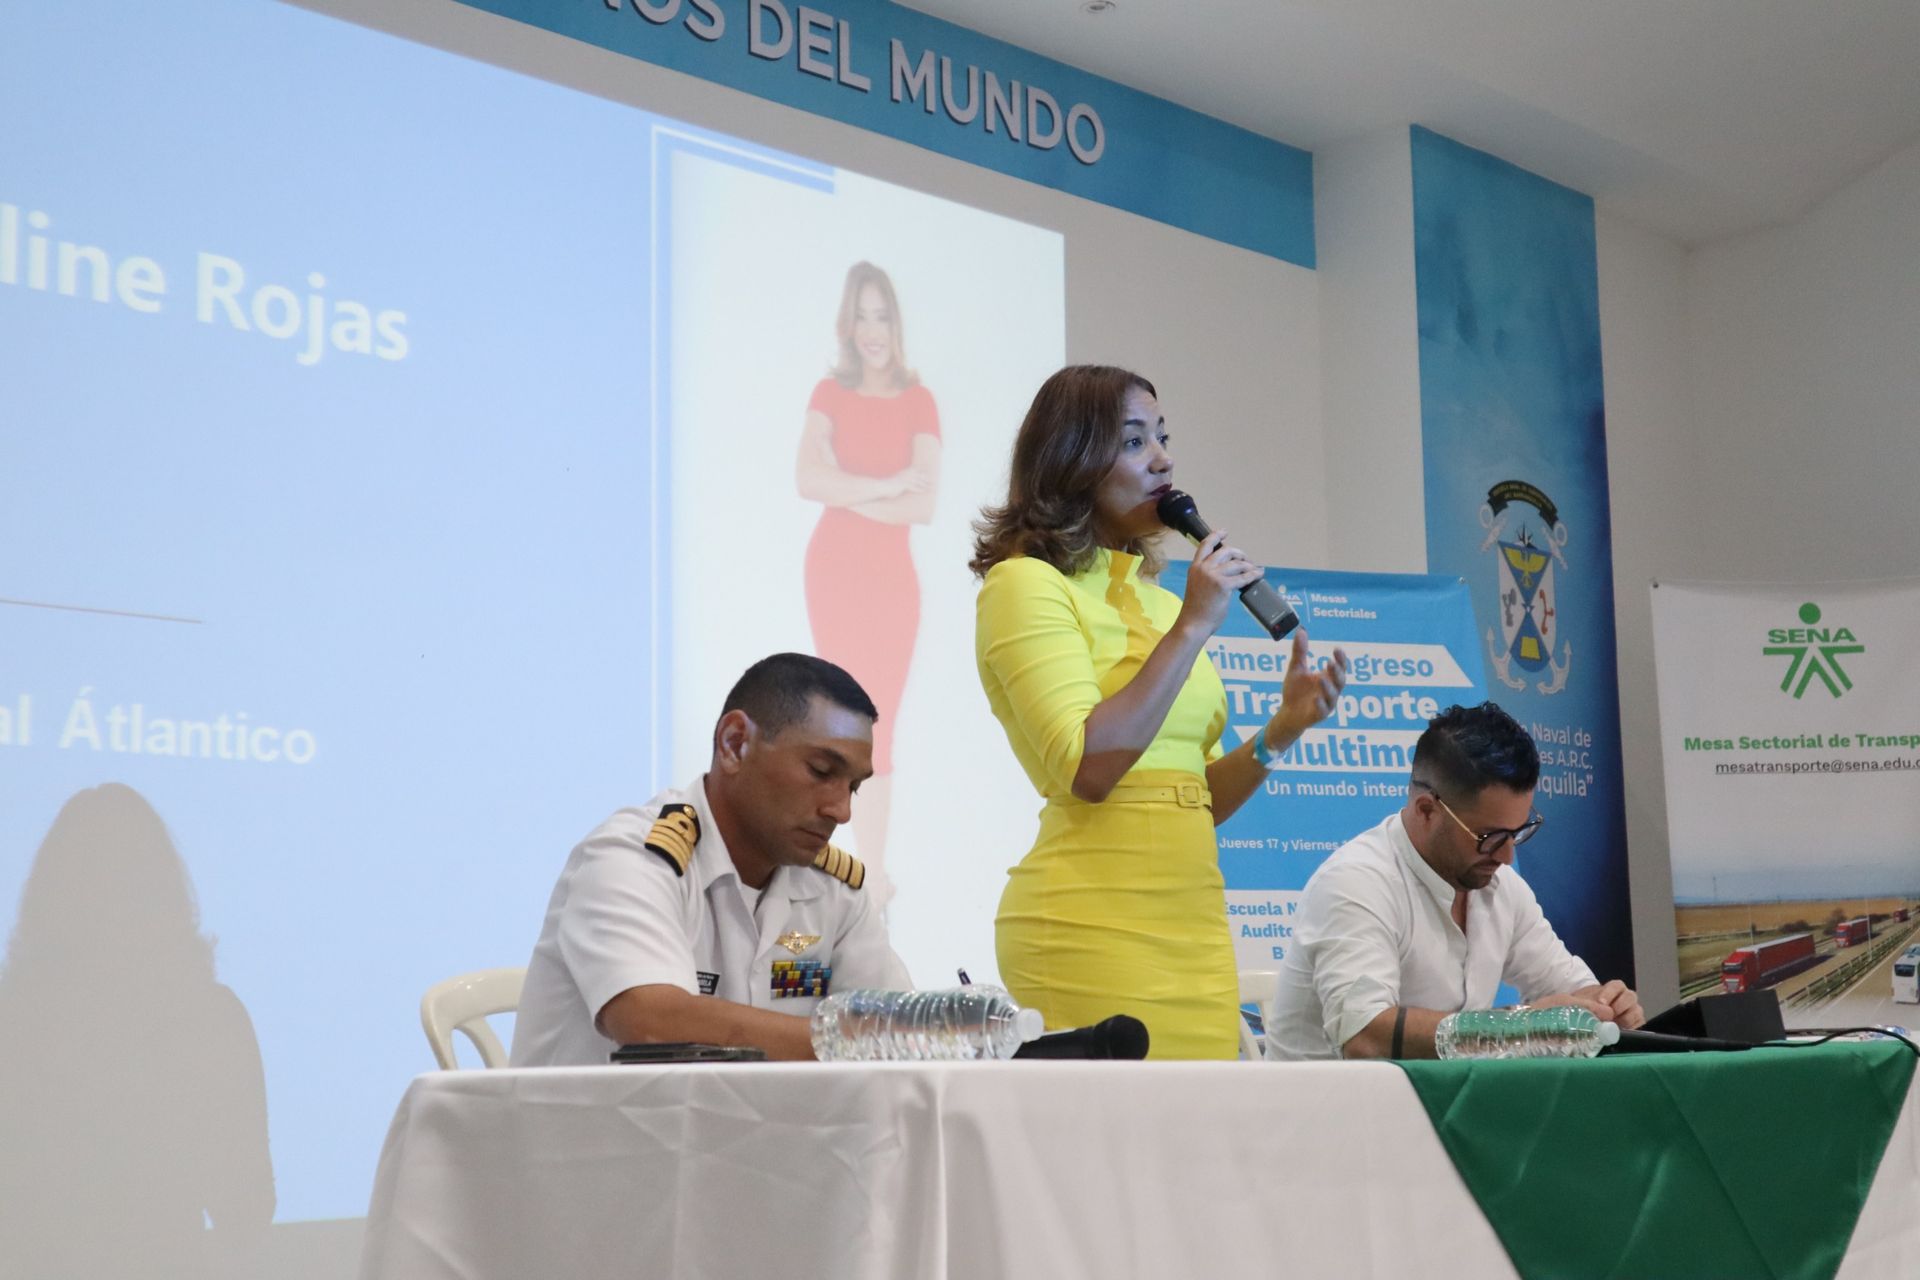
(1813, 651)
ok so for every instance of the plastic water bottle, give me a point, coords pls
(921, 1026)
(1563, 1031)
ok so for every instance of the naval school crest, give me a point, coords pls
(1528, 546)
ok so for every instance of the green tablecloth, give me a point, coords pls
(1749, 1166)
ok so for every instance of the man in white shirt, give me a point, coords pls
(717, 912)
(1416, 918)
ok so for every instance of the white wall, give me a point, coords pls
(1642, 341)
(1232, 340)
(1370, 343)
(1805, 360)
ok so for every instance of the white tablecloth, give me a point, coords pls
(1001, 1170)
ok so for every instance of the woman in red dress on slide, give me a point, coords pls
(870, 453)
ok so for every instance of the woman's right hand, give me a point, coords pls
(1217, 573)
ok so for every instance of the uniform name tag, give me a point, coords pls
(709, 982)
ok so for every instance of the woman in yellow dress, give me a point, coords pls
(1115, 712)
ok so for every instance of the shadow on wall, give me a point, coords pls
(133, 1112)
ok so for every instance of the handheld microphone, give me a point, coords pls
(1118, 1037)
(1178, 512)
(1660, 1042)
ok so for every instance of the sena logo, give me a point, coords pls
(1813, 652)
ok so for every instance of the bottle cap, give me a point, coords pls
(1030, 1024)
(1609, 1033)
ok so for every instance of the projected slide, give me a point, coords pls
(949, 318)
(401, 456)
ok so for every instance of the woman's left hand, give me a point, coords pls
(1307, 696)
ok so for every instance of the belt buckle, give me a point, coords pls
(1189, 795)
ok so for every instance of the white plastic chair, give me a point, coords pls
(1257, 987)
(462, 1004)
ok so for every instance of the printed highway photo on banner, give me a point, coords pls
(1411, 640)
(1790, 723)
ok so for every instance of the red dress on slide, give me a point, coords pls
(863, 597)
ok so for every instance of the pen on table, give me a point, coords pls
(965, 981)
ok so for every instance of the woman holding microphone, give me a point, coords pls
(1115, 712)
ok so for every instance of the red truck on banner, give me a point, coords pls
(1765, 963)
(1853, 932)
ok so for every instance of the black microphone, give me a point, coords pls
(1660, 1042)
(1178, 512)
(1118, 1037)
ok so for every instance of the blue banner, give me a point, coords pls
(1411, 641)
(895, 71)
(1513, 425)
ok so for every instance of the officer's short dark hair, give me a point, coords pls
(1465, 750)
(775, 691)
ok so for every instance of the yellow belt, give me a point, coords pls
(1189, 794)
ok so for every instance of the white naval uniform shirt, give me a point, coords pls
(622, 916)
(1376, 931)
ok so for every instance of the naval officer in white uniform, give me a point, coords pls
(718, 912)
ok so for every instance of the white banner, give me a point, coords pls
(1790, 725)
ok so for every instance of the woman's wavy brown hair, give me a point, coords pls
(1068, 442)
(848, 369)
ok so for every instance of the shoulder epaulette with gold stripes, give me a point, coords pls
(842, 866)
(674, 834)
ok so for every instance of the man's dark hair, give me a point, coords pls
(1465, 750)
(775, 691)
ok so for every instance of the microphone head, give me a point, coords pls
(1178, 511)
(1118, 1037)
(1124, 1036)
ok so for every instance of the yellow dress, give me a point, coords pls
(1119, 906)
